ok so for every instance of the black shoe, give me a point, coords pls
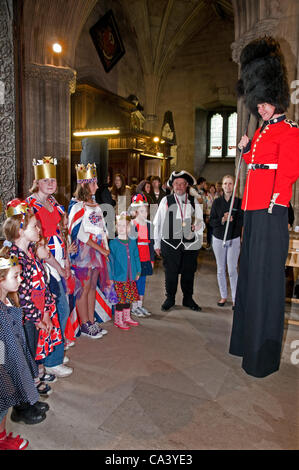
(221, 304)
(30, 415)
(192, 305)
(167, 305)
(41, 407)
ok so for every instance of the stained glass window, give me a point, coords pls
(232, 135)
(216, 135)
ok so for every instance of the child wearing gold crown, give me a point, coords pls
(22, 232)
(87, 227)
(17, 367)
(51, 217)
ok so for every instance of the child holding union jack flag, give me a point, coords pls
(51, 215)
(87, 228)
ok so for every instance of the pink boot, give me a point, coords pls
(127, 318)
(118, 320)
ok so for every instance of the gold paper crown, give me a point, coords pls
(45, 168)
(86, 174)
(6, 263)
(16, 207)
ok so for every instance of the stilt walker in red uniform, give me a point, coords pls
(273, 166)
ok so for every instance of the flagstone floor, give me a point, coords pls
(171, 384)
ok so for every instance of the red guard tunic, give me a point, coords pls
(276, 143)
(258, 322)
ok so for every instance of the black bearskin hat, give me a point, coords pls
(263, 75)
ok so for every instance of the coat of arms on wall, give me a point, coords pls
(107, 41)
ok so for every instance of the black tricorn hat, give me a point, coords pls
(263, 75)
(181, 174)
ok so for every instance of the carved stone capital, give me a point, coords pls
(261, 28)
(51, 73)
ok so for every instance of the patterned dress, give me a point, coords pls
(86, 222)
(36, 298)
(51, 229)
(17, 367)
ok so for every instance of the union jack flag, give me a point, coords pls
(103, 308)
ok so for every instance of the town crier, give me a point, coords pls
(178, 233)
(272, 157)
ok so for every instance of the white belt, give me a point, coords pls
(262, 166)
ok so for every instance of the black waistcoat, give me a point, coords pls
(175, 231)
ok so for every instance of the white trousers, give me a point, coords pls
(227, 256)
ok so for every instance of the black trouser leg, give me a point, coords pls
(172, 265)
(188, 269)
(259, 311)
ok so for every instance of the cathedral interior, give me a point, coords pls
(152, 76)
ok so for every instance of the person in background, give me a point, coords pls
(210, 197)
(133, 186)
(228, 255)
(103, 195)
(166, 188)
(157, 193)
(121, 193)
(200, 187)
(147, 191)
(219, 190)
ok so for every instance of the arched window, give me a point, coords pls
(216, 135)
(222, 133)
(232, 135)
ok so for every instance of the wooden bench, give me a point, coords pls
(293, 261)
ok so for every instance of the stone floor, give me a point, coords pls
(171, 384)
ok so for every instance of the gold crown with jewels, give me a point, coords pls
(45, 168)
(86, 174)
(17, 207)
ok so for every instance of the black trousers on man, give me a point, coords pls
(258, 323)
(175, 262)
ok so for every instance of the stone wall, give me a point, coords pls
(8, 181)
(125, 78)
(202, 76)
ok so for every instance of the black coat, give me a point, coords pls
(219, 207)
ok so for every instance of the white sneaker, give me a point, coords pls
(100, 329)
(68, 345)
(137, 312)
(145, 311)
(59, 371)
(91, 330)
(66, 360)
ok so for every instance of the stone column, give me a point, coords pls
(47, 121)
(7, 108)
